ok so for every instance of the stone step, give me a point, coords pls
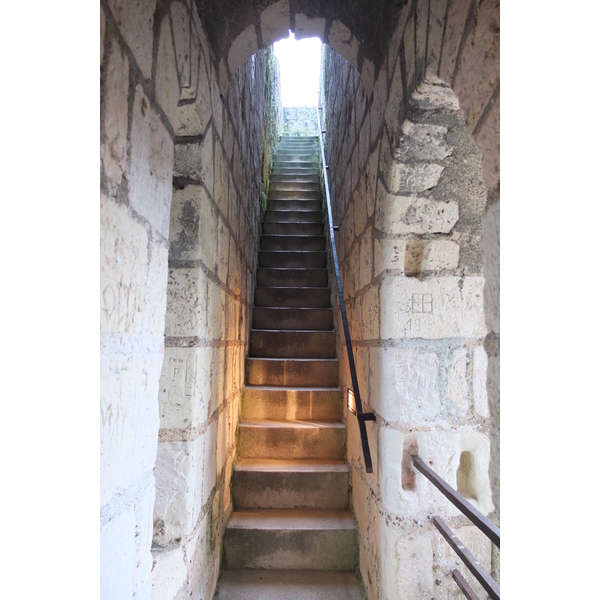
(294, 216)
(292, 439)
(301, 372)
(274, 228)
(292, 242)
(289, 168)
(292, 277)
(292, 297)
(295, 195)
(291, 179)
(287, 318)
(259, 584)
(294, 186)
(291, 539)
(265, 343)
(290, 484)
(296, 259)
(284, 403)
(277, 204)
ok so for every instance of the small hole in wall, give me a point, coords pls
(465, 476)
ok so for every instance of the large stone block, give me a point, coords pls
(341, 40)
(166, 83)
(432, 309)
(369, 314)
(184, 398)
(128, 419)
(242, 48)
(488, 141)
(199, 553)
(196, 161)
(431, 95)
(275, 22)
(404, 385)
(437, 15)
(169, 574)
(411, 214)
(186, 303)
(458, 385)
(179, 489)
(411, 179)
(480, 397)
(123, 265)
(151, 165)
(453, 34)
(136, 20)
(422, 142)
(415, 574)
(156, 290)
(114, 148)
(366, 260)
(490, 245)
(415, 256)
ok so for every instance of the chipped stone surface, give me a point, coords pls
(307, 27)
(432, 309)
(457, 379)
(114, 154)
(410, 214)
(341, 40)
(415, 256)
(430, 96)
(169, 574)
(167, 79)
(135, 20)
(490, 223)
(275, 22)
(404, 384)
(186, 302)
(369, 314)
(422, 142)
(151, 165)
(411, 179)
(242, 48)
(394, 104)
(480, 398)
(192, 119)
(195, 161)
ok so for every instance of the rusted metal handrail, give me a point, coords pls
(360, 415)
(477, 518)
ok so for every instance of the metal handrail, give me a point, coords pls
(360, 415)
(478, 519)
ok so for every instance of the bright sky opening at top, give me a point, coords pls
(299, 62)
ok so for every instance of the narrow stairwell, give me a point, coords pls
(292, 534)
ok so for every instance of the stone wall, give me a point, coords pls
(409, 191)
(181, 193)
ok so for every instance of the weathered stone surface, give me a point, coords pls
(186, 303)
(409, 53)
(432, 96)
(123, 264)
(179, 489)
(128, 419)
(369, 314)
(404, 384)
(437, 15)
(242, 48)
(184, 397)
(488, 141)
(432, 309)
(422, 142)
(415, 574)
(341, 40)
(410, 214)
(454, 31)
(169, 574)
(151, 165)
(167, 80)
(156, 290)
(192, 119)
(307, 27)
(102, 33)
(411, 179)
(458, 390)
(199, 551)
(394, 104)
(480, 398)
(367, 74)
(366, 260)
(195, 161)
(135, 20)
(490, 242)
(114, 155)
(275, 22)
(415, 256)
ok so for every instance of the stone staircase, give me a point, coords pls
(291, 534)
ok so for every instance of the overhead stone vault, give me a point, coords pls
(190, 121)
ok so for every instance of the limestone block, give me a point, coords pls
(192, 119)
(193, 223)
(415, 256)
(195, 161)
(114, 156)
(215, 97)
(275, 22)
(151, 165)
(458, 388)
(307, 27)
(209, 479)
(488, 141)
(367, 74)
(379, 105)
(432, 96)
(156, 290)
(423, 7)
(369, 314)
(169, 573)
(135, 20)
(217, 378)
(453, 34)
(480, 398)
(404, 384)
(341, 40)
(409, 53)
(411, 214)
(437, 16)
(186, 49)
(223, 251)
(221, 181)
(372, 181)
(179, 489)
(242, 48)
(143, 537)
(411, 179)
(123, 265)
(117, 557)
(422, 142)
(184, 396)
(366, 260)
(198, 551)
(128, 419)
(186, 303)
(394, 104)
(166, 84)
(490, 245)
(432, 309)
(414, 576)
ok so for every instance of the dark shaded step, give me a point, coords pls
(277, 204)
(292, 242)
(302, 372)
(314, 319)
(294, 216)
(290, 228)
(293, 297)
(292, 277)
(302, 259)
(266, 343)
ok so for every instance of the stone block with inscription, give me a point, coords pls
(184, 397)
(432, 309)
(415, 256)
(186, 303)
